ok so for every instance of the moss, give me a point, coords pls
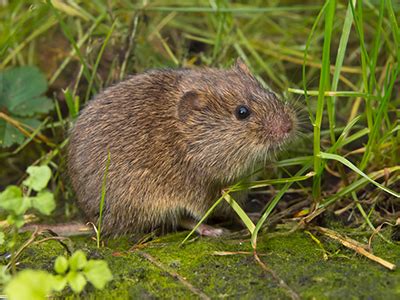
(296, 258)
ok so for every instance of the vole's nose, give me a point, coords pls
(277, 127)
(287, 125)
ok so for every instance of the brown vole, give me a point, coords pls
(176, 138)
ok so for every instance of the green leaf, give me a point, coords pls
(25, 205)
(76, 281)
(59, 282)
(2, 236)
(36, 105)
(5, 275)
(11, 200)
(77, 261)
(12, 191)
(9, 135)
(61, 265)
(97, 273)
(23, 88)
(16, 220)
(39, 177)
(29, 284)
(44, 202)
(21, 95)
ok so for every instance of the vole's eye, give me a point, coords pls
(242, 112)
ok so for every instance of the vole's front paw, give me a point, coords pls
(203, 229)
(207, 230)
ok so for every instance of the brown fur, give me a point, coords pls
(174, 143)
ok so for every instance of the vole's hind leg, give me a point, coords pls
(203, 229)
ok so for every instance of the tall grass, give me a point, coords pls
(340, 59)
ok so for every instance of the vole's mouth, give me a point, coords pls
(279, 139)
(279, 124)
(280, 128)
(280, 134)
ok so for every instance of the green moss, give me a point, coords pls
(295, 258)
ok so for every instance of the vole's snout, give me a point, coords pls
(287, 126)
(279, 128)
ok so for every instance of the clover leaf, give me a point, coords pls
(76, 281)
(39, 177)
(30, 284)
(97, 273)
(16, 203)
(77, 261)
(77, 271)
(59, 282)
(12, 200)
(61, 265)
(44, 202)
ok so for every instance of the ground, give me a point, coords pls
(226, 268)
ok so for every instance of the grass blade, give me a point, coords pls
(96, 64)
(243, 216)
(344, 133)
(268, 182)
(273, 203)
(350, 165)
(331, 102)
(323, 86)
(102, 200)
(206, 215)
(356, 185)
(308, 43)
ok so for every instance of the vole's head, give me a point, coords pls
(230, 122)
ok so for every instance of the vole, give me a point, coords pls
(176, 138)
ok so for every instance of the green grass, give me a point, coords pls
(340, 60)
(102, 200)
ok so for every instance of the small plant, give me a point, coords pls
(30, 284)
(77, 271)
(15, 201)
(74, 272)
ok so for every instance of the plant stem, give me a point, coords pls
(323, 86)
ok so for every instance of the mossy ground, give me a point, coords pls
(296, 258)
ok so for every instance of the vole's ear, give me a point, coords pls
(241, 66)
(189, 102)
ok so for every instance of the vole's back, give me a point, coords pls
(130, 120)
(175, 138)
